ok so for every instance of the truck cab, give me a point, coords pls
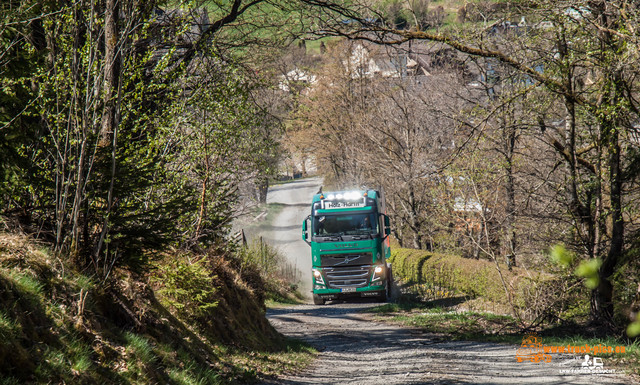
(348, 233)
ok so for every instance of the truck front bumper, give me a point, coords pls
(368, 291)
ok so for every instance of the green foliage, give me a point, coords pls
(18, 112)
(114, 174)
(395, 13)
(455, 275)
(221, 140)
(561, 256)
(187, 286)
(633, 330)
(68, 162)
(442, 277)
(589, 270)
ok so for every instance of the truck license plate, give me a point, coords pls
(348, 289)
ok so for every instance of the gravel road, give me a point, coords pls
(357, 350)
(354, 349)
(286, 230)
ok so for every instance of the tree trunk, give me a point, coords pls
(611, 187)
(263, 188)
(205, 186)
(602, 298)
(510, 208)
(112, 69)
(109, 128)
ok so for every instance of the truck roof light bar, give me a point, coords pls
(348, 195)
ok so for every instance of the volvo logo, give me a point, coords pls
(347, 260)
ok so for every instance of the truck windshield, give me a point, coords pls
(345, 224)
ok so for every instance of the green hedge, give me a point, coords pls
(469, 277)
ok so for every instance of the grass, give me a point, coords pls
(281, 278)
(68, 361)
(456, 307)
(26, 283)
(456, 324)
(194, 376)
(290, 357)
(313, 46)
(138, 347)
(451, 306)
(273, 210)
(84, 282)
(281, 301)
(8, 327)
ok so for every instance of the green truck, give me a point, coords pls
(348, 232)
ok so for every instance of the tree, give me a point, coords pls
(325, 120)
(365, 129)
(218, 138)
(588, 68)
(92, 86)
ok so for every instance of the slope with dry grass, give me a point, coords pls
(193, 319)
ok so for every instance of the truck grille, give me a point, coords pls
(353, 276)
(345, 259)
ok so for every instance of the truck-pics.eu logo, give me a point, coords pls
(531, 349)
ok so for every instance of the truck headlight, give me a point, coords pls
(378, 272)
(317, 275)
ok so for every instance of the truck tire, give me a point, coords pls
(392, 292)
(317, 300)
(386, 294)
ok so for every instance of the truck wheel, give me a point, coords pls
(388, 287)
(384, 296)
(317, 300)
(390, 283)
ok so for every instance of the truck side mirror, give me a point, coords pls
(305, 234)
(387, 225)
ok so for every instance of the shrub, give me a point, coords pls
(187, 286)
(446, 275)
